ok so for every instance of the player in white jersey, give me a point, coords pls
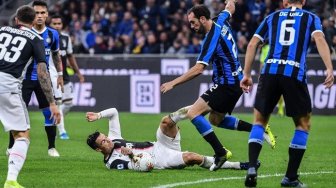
(166, 150)
(18, 47)
(67, 56)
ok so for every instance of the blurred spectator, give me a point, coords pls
(164, 43)
(152, 46)
(242, 43)
(99, 46)
(176, 48)
(91, 36)
(131, 26)
(195, 46)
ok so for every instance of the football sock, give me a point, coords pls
(17, 158)
(180, 114)
(208, 161)
(66, 106)
(51, 134)
(47, 114)
(255, 144)
(205, 129)
(60, 126)
(244, 126)
(233, 123)
(229, 122)
(296, 151)
(11, 140)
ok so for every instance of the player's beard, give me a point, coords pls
(201, 29)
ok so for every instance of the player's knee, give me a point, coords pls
(190, 158)
(214, 120)
(166, 122)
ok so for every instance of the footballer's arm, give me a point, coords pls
(58, 64)
(114, 124)
(44, 79)
(74, 65)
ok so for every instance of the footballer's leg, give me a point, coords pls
(296, 150)
(168, 127)
(233, 123)
(17, 157)
(195, 114)
(254, 147)
(180, 114)
(191, 158)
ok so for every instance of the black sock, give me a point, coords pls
(51, 134)
(244, 126)
(295, 158)
(254, 151)
(11, 140)
(212, 139)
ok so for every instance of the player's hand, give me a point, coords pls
(60, 83)
(246, 84)
(329, 81)
(81, 78)
(92, 116)
(230, 6)
(126, 151)
(55, 113)
(166, 87)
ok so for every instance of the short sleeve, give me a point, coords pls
(56, 41)
(262, 30)
(316, 25)
(39, 51)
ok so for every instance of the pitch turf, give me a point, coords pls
(79, 166)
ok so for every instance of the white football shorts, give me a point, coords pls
(13, 112)
(167, 151)
(68, 91)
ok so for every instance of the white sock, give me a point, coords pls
(180, 114)
(231, 165)
(66, 106)
(207, 162)
(60, 126)
(17, 158)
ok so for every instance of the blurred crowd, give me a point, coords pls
(161, 26)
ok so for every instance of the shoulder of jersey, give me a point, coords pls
(65, 34)
(52, 30)
(32, 32)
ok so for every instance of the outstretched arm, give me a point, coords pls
(190, 74)
(114, 124)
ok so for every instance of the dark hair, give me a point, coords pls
(40, 3)
(295, 1)
(200, 10)
(91, 140)
(25, 14)
(56, 16)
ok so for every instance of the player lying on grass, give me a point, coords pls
(166, 150)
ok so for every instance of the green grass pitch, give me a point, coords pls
(79, 166)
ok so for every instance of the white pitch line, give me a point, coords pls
(235, 178)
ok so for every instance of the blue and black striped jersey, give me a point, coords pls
(289, 33)
(219, 48)
(51, 43)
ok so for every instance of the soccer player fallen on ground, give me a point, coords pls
(289, 32)
(66, 53)
(219, 48)
(166, 150)
(18, 47)
(54, 64)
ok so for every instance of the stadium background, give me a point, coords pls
(149, 42)
(118, 66)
